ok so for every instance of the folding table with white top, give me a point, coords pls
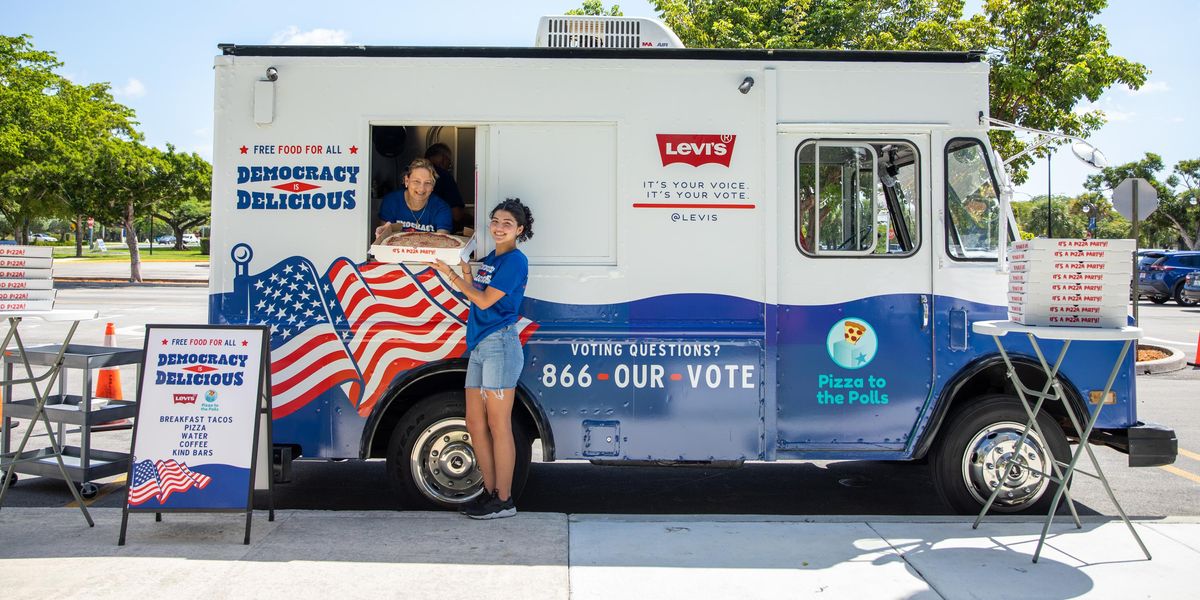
(1052, 391)
(9, 460)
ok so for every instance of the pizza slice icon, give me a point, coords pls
(854, 331)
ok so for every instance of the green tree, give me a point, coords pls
(48, 128)
(1172, 222)
(187, 200)
(1182, 209)
(1046, 55)
(596, 8)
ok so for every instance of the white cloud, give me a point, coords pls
(1150, 87)
(292, 36)
(1110, 114)
(132, 89)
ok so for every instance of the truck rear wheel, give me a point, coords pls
(978, 440)
(430, 461)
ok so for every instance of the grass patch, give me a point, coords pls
(121, 254)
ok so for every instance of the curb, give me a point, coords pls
(1174, 362)
(145, 281)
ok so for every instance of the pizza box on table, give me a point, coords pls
(27, 251)
(24, 274)
(1051, 265)
(423, 254)
(1041, 245)
(1070, 287)
(47, 283)
(1037, 278)
(9, 295)
(1054, 299)
(1070, 320)
(25, 262)
(6, 305)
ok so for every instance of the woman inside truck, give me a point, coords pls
(495, 355)
(415, 207)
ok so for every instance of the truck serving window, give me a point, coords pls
(857, 198)
(973, 218)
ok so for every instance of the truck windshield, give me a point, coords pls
(973, 216)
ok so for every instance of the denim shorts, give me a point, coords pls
(496, 361)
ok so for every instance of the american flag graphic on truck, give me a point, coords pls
(354, 326)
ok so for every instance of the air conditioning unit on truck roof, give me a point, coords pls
(570, 31)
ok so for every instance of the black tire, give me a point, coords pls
(1179, 299)
(88, 490)
(1159, 299)
(987, 428)
(444, 476)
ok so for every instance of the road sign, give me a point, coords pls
(1123, 198)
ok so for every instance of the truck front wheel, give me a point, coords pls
(977, 454)
(430, 461)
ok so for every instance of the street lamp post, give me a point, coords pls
(1049, 198)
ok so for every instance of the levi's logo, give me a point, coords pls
(695, 149)
(184, 398)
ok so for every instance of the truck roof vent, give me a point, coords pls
(572, 31)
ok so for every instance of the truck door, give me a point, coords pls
(854, 336)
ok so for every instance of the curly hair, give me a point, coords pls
(520, 213)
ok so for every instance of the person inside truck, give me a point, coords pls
(446, 188)
(495, 357)
(415, 207)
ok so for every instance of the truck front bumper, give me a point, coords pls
(1146, 444)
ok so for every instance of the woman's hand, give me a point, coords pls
(382, 229)
(443, 268)
(465, 268)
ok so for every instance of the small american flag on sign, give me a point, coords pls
(161, 479)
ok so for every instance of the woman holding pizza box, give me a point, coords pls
(495, 354)
(415, 207)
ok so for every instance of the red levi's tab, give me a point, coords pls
(695, 149)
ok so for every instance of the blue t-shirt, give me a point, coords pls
(435, 215)
(508, 273)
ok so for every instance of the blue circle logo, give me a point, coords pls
(852, 343)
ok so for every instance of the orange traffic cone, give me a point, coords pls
(108, 384)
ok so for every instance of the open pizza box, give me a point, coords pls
(423, 247)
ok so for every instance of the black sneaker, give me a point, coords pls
(494, 508)
(475, 503)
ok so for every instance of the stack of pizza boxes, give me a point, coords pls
(25, 278)
(1070, 282)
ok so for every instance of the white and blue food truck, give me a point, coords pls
(741, 255)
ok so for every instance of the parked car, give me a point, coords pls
(1163, 279)
(190, 239)
(165, 240)
(42, 237)
(1191, 287)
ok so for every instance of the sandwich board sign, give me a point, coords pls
(199, 427)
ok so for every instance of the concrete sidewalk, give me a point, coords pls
(50, 552)
(173, 271)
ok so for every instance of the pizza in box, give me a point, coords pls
(422, 239)
(419, 246)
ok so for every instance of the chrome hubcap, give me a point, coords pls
(443, 463)
(991, 461)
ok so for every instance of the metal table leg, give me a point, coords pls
(50, 376)
(1083, 447)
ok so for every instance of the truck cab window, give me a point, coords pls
(857, 198)
(973, 218)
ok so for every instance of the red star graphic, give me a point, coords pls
(353, 149)
(243, 149)
(164, 342)
(245, 343)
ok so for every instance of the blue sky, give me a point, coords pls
(158, 57)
